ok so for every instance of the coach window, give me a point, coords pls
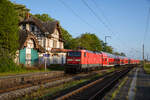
(84, 54)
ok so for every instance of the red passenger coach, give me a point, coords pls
(80, 60)
(108, 59)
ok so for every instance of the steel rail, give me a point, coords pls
(99, 81)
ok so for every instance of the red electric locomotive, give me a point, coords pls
(80, 60)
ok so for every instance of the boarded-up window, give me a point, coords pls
(55, 44)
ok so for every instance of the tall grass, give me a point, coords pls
(8, 65)
(147, 68)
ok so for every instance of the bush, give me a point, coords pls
(8, 65)
(147, 68)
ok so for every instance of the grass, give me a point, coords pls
(23, 71)
(147, 68)
(20, 69)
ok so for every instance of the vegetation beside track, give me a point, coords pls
(20, 69)
(51, 92)
(147, 68)
(14, 70)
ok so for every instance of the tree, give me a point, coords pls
(8, 27)
(44, 17)
(8, 33)
(67, 37)
(89, 41)
(21, 10)
(109, 49)
(122, 54)
(119, 54)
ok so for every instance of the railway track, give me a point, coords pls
(28, 80)
(29, 86)
(97, 89)
(12, 83)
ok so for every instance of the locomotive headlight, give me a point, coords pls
(77, 60)
(69, 59)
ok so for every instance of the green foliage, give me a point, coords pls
(119, 54)
(8, 28)
(8, 65)
(8, 34)
(88, 41)
(21, 10)
(147, 68)
(109, 49)
(44, 17)
(122, 54)
(67, 37)
(72, 44)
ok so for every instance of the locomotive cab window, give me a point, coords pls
(74, 54)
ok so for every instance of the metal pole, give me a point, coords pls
(45, 51)
(106, 38)
(45, 63)
(106, 41)
(143, 56)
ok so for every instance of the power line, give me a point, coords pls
(83, 20)
(97, 16)
(102, 12)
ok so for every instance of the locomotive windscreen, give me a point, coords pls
(74, 54)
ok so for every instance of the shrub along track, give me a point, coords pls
(97, 89)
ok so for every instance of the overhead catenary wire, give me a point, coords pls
(97, 16)
(93, 12)
(101, 11)
(106, 19)
(78, 16)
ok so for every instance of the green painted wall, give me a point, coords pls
(22, 56)
(34, 56)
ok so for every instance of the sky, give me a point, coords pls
(124, 20)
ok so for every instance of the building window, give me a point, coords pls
(32, 28)
(24, 26)
(40, 41)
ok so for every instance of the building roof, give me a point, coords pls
(45, 27)
(24, 36)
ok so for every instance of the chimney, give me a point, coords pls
(27, 15)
